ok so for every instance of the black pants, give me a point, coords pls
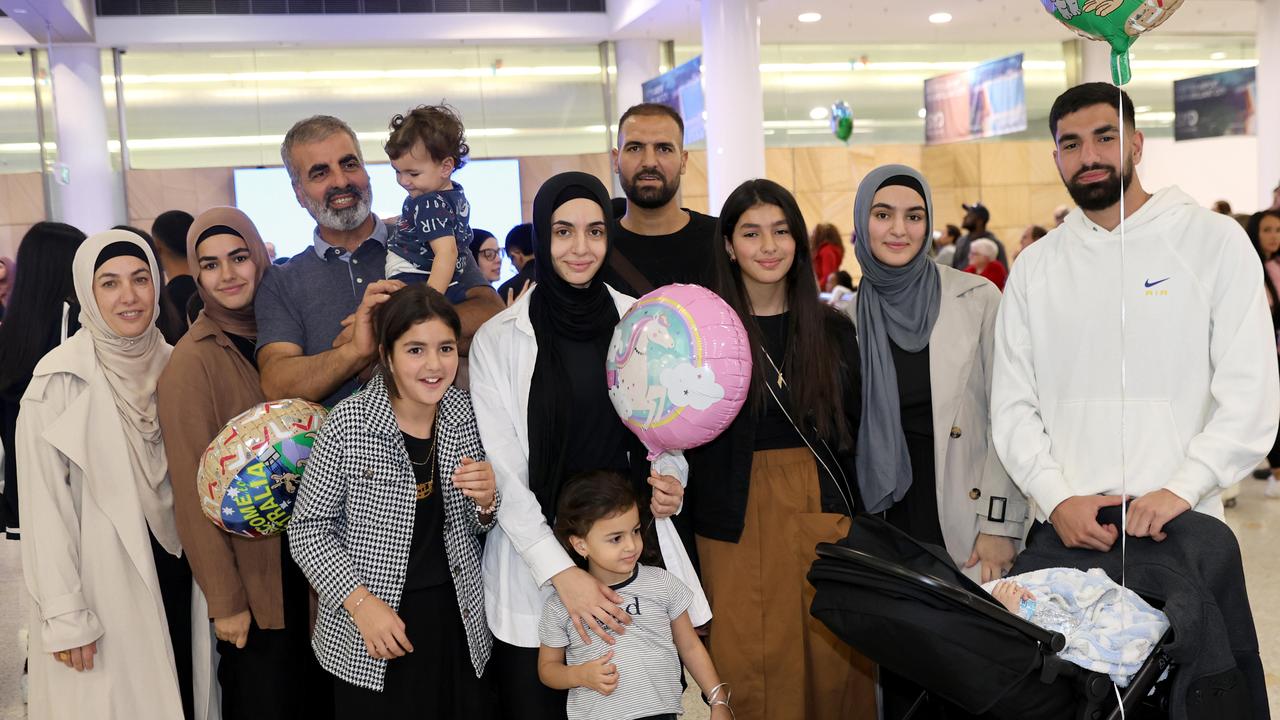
(243, 671)
(174, 576)
(520, 693)
(316, 703)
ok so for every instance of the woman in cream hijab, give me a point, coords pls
(100, 552)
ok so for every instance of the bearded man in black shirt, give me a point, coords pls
(654, 241)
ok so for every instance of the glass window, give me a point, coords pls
(19, 150)
(232, 107)
(884, 84)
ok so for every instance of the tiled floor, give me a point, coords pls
(1255, 519)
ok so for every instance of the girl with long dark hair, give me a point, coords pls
(780, 480)
(387, 526)
(40, 314)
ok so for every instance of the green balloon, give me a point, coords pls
(842, 121)
(1116, 22)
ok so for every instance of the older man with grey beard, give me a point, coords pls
(314, 313)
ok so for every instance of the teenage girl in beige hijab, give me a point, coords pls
(100, 550)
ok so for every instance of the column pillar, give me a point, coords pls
(84, 183)
(1095, 61)
(637, 62)
(1267, 120)
(734, 95)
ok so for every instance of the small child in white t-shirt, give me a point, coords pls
(639, 676)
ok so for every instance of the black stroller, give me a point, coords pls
(907, 607)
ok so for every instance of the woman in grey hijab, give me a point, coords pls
(925, 458)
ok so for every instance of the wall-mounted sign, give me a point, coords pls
(983, 101)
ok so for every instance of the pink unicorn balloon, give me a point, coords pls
(679, 367)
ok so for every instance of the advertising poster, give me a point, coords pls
(681, 88)
(1215, 105)
(983, 101)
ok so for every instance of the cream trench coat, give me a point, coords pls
(969, 474)
(86, 554)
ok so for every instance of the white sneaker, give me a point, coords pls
(1273, 488)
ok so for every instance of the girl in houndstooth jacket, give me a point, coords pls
(389, 540)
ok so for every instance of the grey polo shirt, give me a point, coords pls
(305, 300)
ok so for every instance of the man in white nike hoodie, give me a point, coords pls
(1166, 346)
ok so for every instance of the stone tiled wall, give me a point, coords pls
(1016, 180)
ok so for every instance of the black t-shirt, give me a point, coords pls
(775, 431)
(917, 512)
(428, 564)
(516, 283)
(684, 256)
(597, 439)
(173, 319)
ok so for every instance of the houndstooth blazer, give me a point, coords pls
(353, 523)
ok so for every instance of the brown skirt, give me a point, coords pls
(781, 663)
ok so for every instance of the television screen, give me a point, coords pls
(266, 196)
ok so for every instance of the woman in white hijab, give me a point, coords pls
(100, 550)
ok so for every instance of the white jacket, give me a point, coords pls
(86, 557)
(522, 554)
(1200, 391)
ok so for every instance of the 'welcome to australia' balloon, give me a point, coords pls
(1116, 22)
(248, 477)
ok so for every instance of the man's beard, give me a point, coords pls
(1099, 195)
(650, 197)
(346, 219)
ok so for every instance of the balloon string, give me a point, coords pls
(1124, 475)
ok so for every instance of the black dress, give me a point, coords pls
(917, 512)
(774, 430)
(437, 679)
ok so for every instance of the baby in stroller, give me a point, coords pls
(1108, 628)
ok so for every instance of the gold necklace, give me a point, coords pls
(424, 489)
(431, 451)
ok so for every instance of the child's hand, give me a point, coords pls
(1011, 594)
(476, 481)
(599, 675)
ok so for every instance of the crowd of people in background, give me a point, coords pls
(471, 530)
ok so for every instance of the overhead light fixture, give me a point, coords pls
(922, 113)
(1142, 109)
(1218, 56)
(940, 18)
(809, 17)
(818, 113)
